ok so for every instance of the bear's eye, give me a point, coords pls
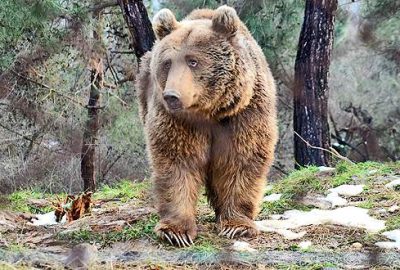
(167, 64)
(192, 63)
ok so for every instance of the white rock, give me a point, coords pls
(242, 246)
(273, 197)
(348, 190)
(393, 208)
(381, 211)
(335, 200)
(268, 188)
(305, 244)
(347, 216)
(324, 169)
(371, 172)
(393, 184)
(357, 246)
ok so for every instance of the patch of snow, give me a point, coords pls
(287, 234)
(242, 246)
(46, 219)
(392, 235)
(276, 216)
(393, 184)
(347, 216)
(273, 197)
(305, 244)
(348, 190)
(335, 200)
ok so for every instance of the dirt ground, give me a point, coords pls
(118, 234)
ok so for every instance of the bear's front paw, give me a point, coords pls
(175, 235)
(233, 229)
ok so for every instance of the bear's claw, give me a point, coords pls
(177, 239)
(231, 231)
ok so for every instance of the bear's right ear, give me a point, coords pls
(164, 23)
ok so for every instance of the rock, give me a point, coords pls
(335, 200)
(393, 184)
(381, 211)
(242, 246)
(272, 198)
(326, 170)
(393, 208)
(357, 246)
(81, 257)
(268, 188)
(348, 190)
(316, 201)
(372, 172)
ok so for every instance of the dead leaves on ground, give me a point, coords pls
(73, 207)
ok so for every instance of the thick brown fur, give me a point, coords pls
(225, 134)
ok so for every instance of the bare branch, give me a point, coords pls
(331, 150)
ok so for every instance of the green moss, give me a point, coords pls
(347, 173)
(141, 228)
(205, 245)
(19, 201)
(309, 180)
(298, 183)
(306, 266)
(367, 204)
(393, 223)
(124, 190)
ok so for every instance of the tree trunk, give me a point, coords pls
(88, 168)
(139, 25)
(311, 83)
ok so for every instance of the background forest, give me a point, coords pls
(48, 50)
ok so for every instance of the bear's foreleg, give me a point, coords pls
(236, 196)
(176, 194)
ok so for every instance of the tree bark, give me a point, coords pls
(89, 142)
(311, 83)
(139, 25)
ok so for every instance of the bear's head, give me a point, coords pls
(199, 64)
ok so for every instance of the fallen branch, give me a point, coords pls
(331, 150)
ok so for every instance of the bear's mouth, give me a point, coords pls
(174, 107)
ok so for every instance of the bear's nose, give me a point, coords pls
(172, 99)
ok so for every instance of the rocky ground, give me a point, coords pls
(346, 217)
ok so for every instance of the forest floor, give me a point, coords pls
(354, 227)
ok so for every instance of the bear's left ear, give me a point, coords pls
(225, 20)
(164, 23)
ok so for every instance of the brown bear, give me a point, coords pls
(207, 100)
